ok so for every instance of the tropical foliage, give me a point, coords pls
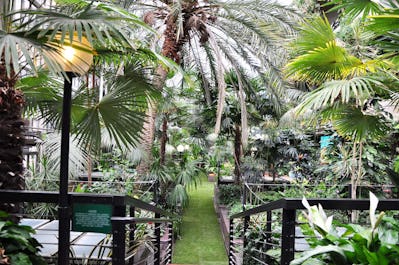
(349, 88)
(17, 246)
(349, 243)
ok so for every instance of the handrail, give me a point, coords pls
(52, 197)
(330, 204)
(147, 206)
(130, 220)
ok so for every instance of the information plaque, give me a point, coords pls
(92, 218)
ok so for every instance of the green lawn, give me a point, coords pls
(201, 241)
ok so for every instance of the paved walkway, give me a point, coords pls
(201, 242)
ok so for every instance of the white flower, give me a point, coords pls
(317, 216)
(180, 148)
(169, 149)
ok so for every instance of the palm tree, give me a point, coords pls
(28, 40)
(342, 87)
(214, 36)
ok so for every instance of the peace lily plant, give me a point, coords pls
(347, 244)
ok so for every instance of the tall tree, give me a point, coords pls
(214, 36)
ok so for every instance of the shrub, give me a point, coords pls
(17, 246)
(229, 194)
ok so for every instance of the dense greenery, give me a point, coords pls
(182, 88)
(17, 246)
(350, 243)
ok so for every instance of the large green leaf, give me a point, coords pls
(314, 33)
(340, 255)
(323, 64)
(343, 91)
(352, 123)
(121, 111)
(355, 8)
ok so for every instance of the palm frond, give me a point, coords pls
(352, 123)
(77, 155)
(96, 21)
(34, 36)
(323, 63)
(355, 8)
(313, 34)
(122, 111)
(358, 88)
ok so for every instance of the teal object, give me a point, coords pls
(89, 217)
(325, 141)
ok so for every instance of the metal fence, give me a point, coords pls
(270, 234)
(141, 232)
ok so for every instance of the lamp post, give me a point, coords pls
(76, 60)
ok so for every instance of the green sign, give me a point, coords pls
(92, 217)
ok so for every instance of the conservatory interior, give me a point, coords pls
(199, 132)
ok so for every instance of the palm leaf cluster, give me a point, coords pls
(339, 78)
(109, 29)
(351, 89)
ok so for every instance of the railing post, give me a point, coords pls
(288, 237)
(118, 242)
(268, 230)
(132, 231)
(157, 254)
(231, 233)
(244, 232)
(118, 233)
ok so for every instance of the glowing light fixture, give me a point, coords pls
(77, 58)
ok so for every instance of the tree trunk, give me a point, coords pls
(164, 139)
(237, 154)
(11, 142)
(148, 132)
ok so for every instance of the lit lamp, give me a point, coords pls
(77, 58)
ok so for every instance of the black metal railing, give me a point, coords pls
(158, 224)
(252, 192)
(270, 231)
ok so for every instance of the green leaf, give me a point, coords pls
(323, 64)
(321, 250)
(20, 259)
(355, 8)
(352, 123)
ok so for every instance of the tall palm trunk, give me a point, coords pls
(148, 132)
(171, 49)
(11, 137)
(164, 139)
(237, 154)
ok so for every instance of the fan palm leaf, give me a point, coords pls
(77, 154)
(343, 91)
(121, 111)
(314, 33)
(352, 123)
(353, 9)
(323, 63)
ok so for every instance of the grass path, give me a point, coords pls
(201, 242)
